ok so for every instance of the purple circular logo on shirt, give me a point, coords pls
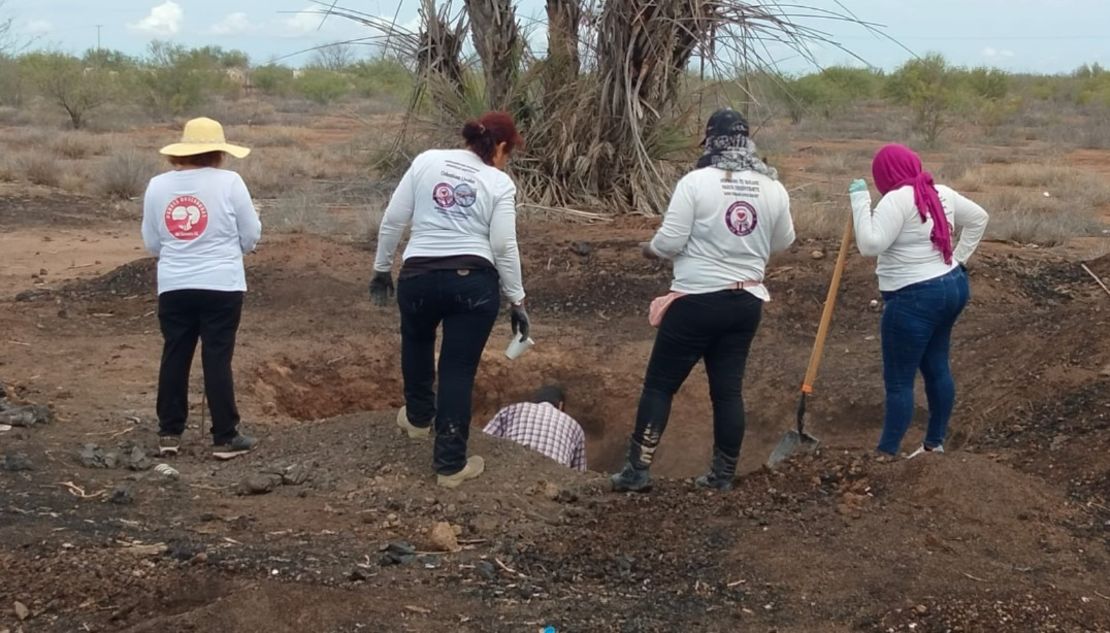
(741, 218)
(444, 195)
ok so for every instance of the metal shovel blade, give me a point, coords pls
(792, 443)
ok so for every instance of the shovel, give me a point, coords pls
(797, 441)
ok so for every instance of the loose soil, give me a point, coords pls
(1007, 532)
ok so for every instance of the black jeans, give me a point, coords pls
(466, 302)
(718, 327)
(213, 317)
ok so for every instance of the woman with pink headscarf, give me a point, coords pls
(923, 281)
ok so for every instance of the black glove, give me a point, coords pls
(381, 288)
(520, 322)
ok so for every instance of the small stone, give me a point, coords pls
(1105, 372)
(443, 537)
(551, 491)
(582, 249)
(21, 611)
(486, 570)
(921, 609)
(875, 305)
(294, 475)
(259, 484)
(818, 254)
(137, 460)
(122, 496)
(16, 462)
(91, 456)
(358, 575)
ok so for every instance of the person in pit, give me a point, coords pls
(924, 284)
(544, 426)
(199, 221)
(725, 219)
(462, 254)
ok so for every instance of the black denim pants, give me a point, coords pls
(466, 302)
(212, 317)
(717, 327)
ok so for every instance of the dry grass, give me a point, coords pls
(301, 213)
(125, 175)
(42, 170)
(272, 175)
(1032, 219)
(9, 168)
(78, 145)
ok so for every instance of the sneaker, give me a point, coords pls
(414, 432)
(475, 466)
(236, 446)
(631, 479)
(169, 445)
(921, 450)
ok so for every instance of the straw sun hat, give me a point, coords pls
(201, 136)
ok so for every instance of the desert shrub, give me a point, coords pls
(9, 168)
(13, 83)
(66, 83)
(40, 169)
(76, 145)
(125, 175)
(930, 88)
(381, 77)
(300, 213)
(322, 86)
(178, 80)
(273, 80)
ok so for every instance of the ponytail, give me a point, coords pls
(485, 133)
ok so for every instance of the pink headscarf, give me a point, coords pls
(896, 166)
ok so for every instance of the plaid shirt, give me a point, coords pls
(544, 428)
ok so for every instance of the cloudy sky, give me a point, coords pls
(1032, 35)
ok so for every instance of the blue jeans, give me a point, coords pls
(916, 332)
(466, 303)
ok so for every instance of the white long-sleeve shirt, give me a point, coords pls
(894, 233)
(720, 229)
(199, 223)
(458, 205)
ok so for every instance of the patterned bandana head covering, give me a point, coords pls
(728, 146)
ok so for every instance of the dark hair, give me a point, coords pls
(485, 133)
(207, 159)
(553, 394)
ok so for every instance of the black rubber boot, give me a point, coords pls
(634, 477)
(721, 472)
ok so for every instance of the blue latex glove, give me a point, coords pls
(858, 185)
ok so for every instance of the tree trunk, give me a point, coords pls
(562, 65)
(497, 40)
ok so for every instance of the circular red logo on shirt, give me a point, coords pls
(444, 195)
(186, 218)
(741, 218)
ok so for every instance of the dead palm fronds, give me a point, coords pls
(604, 107)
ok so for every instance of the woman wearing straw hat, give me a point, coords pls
(462, 250)
(199, 221)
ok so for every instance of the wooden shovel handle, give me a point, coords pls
(826, 314)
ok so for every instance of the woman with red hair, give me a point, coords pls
(923, 281)
(462, 253)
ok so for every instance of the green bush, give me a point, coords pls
(179, 79)
(382, 77)
(273, 79)
(930, 88)
(322, 86)
(64, 81)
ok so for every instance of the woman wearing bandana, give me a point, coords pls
(725, 219)
(923, 282)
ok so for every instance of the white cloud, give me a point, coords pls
(37, 27)
(233, 24)
(305, 21)
(993, 53)
(164, 20)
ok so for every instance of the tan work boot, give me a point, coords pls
(475, 466)
(414, 432)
